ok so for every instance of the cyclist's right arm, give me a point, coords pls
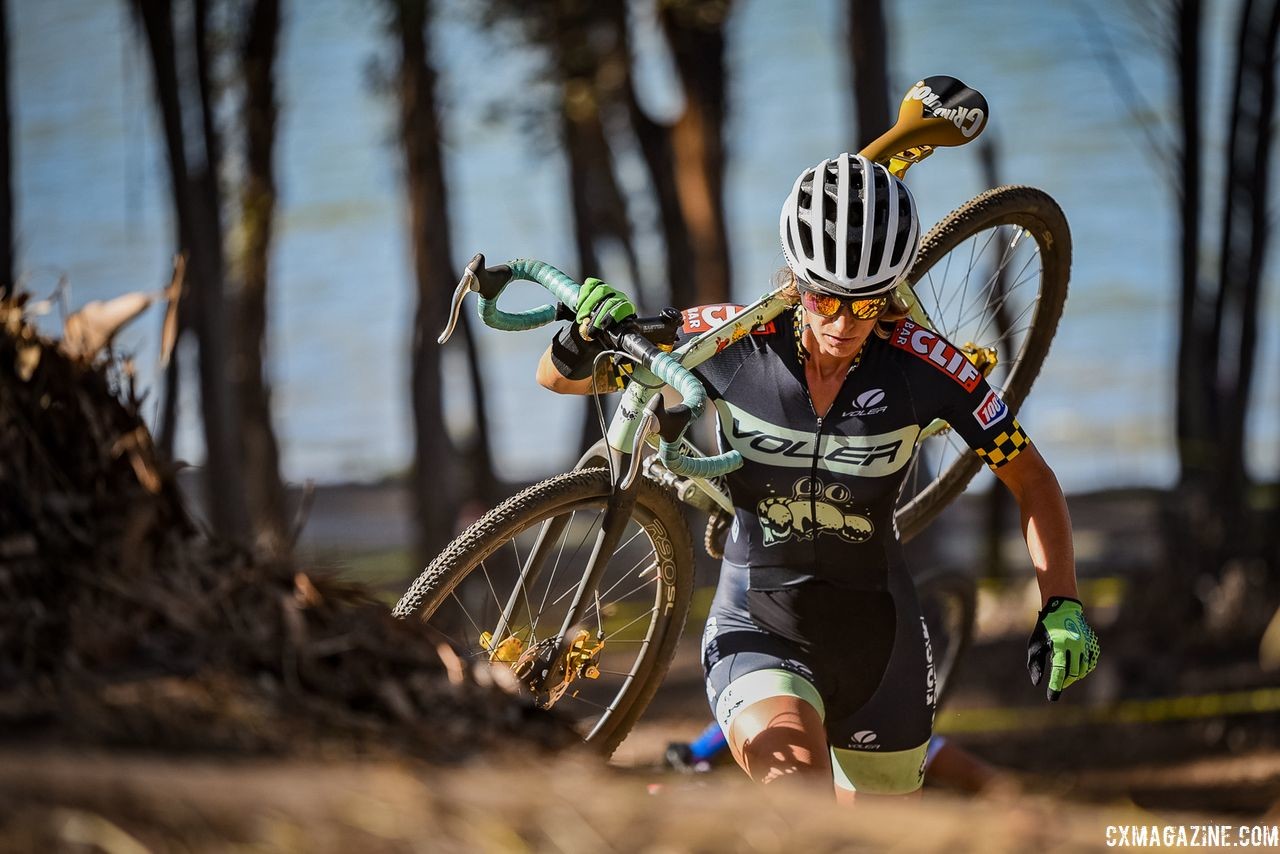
(568, 364)
(550, 376)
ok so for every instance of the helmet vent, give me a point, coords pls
(906, 216)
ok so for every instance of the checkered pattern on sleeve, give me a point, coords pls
(1005, 446)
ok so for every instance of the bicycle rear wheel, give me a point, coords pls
(527, 556)
(992, 276)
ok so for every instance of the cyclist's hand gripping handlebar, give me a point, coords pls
(489, 283)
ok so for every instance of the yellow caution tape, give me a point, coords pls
(1157, 710)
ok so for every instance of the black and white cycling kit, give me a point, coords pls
(813, 582)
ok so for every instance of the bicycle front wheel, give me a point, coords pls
(507, 582)
(992, 277)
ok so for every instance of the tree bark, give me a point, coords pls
(156, 18)
(869, 58)
(264, 490)
(1193, 392)
(196, 204)
(1213, 528)
(483, 486)
(435, 478)
(695, 31)
(223, 472)
(8, 271)
(1245, 237)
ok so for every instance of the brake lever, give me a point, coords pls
(488, 282)
(468, 284)
(648, 424)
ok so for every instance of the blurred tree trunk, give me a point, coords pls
(1244, 242)
(586, 44)
(435, 478)
(264, 490)
(869, 58)
(483, 478)
(156, 18)
(193, 178)
(589, 64)
(654, 139)
(695, 30)
(1218, 581)
(8, 265)
(224, 474)
(586, 41)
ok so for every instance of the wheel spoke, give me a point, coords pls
(984, 280)
(626, 614)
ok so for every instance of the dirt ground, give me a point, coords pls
(1082, 768)
(115, 803)
(55, 799)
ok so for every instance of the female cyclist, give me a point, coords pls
(816, 656)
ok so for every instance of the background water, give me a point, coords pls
(92, 205)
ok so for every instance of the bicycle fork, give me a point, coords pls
(549, 667)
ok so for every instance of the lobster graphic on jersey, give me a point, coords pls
(811, 509)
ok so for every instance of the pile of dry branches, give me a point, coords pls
(122, 623)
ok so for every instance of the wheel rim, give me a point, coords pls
(628, 610)
(986, 292)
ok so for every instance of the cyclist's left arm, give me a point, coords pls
(988, 426)
(1062, 645)
(1046, 524)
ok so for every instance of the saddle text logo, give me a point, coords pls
(967, 119)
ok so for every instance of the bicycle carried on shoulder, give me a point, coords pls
(581, 584)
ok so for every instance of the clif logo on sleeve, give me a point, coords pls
(932, 348)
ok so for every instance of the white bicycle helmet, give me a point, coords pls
(850, 227)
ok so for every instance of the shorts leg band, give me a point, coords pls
(760, 685)
(895, 772)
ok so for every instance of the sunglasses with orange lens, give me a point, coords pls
(827, 305)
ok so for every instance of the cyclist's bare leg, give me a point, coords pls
(781, 738)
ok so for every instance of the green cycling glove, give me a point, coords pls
(1063, 640)
(600, 305)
